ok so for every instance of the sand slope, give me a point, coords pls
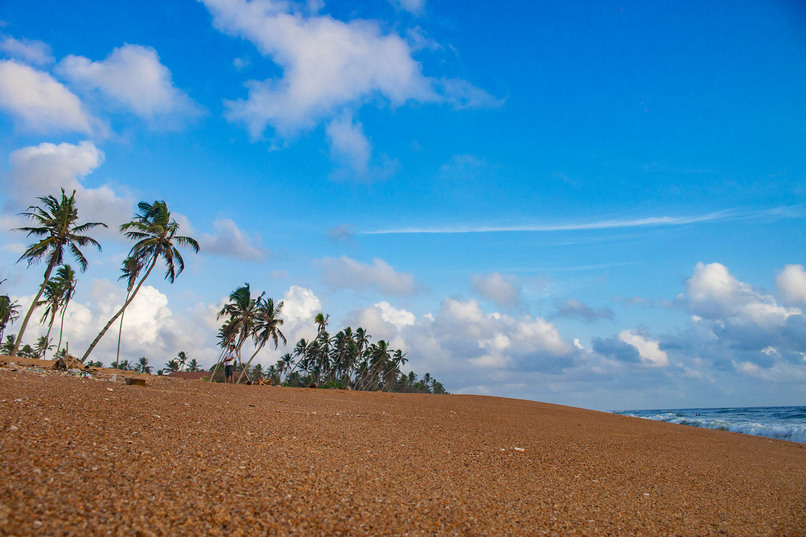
(89, 457)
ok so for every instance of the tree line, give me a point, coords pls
(345, 360)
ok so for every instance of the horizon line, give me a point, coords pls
(793, 211)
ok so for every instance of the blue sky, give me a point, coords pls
(595, 205)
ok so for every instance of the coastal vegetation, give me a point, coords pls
(346, 360)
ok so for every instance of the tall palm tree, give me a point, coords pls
(52, 302)
(321, 322)
(155, 232)
(266, 327)
(66, 281)
(239, 320)
(130, 271)
(57, 223)
(171, 365)
(241, 315)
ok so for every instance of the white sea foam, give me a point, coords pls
(783, 423)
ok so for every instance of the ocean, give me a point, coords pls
(781, 422)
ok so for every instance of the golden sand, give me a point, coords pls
(86, 456)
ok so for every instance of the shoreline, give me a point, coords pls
(184, 457)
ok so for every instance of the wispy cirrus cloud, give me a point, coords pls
(796, 211)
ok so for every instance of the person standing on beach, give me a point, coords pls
(229, 364)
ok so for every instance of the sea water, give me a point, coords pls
(781, 422)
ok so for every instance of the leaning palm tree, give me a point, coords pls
(56, 222)
(267, 327)
(241, 315)
(239, 324)
(130, 271)
(155, 232)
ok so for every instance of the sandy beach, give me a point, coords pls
(88, 456)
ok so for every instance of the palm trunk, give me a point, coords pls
(32, 308)
(218, 363)
(47, 338)
(120, 332)
(61, 330)
(247, 364)
(114, 317)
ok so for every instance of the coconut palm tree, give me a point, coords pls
(171, 365)
(258, 372)
(53, 301)
(156, 234)
(9, 312)
(266, 327)
(182, 358)
(56, 221)
(142, 366)
(194, 366)
(130, 271)
(8, 346)
(241, 315)
(41, 347)
(66, 282)
(321, 322)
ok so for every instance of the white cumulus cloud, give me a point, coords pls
(39, 103)
(713, 292)
(791, 283)
(649, 349)
(46, 168)
(349, 144)
(27, 50)
(132, 76)
(328, 66)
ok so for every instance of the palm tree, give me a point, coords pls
(57, 225)
(52, 302)
(194, 366)
(182, 358)
(241, 314)
(42, 346)
(155, 232)
(131, 270)
(142, 366)
(258, 372)
(9, 312)
(266, 327)
(125, 365)
(171, 365)
(66, 282)
(8, 346)
(321, 321)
